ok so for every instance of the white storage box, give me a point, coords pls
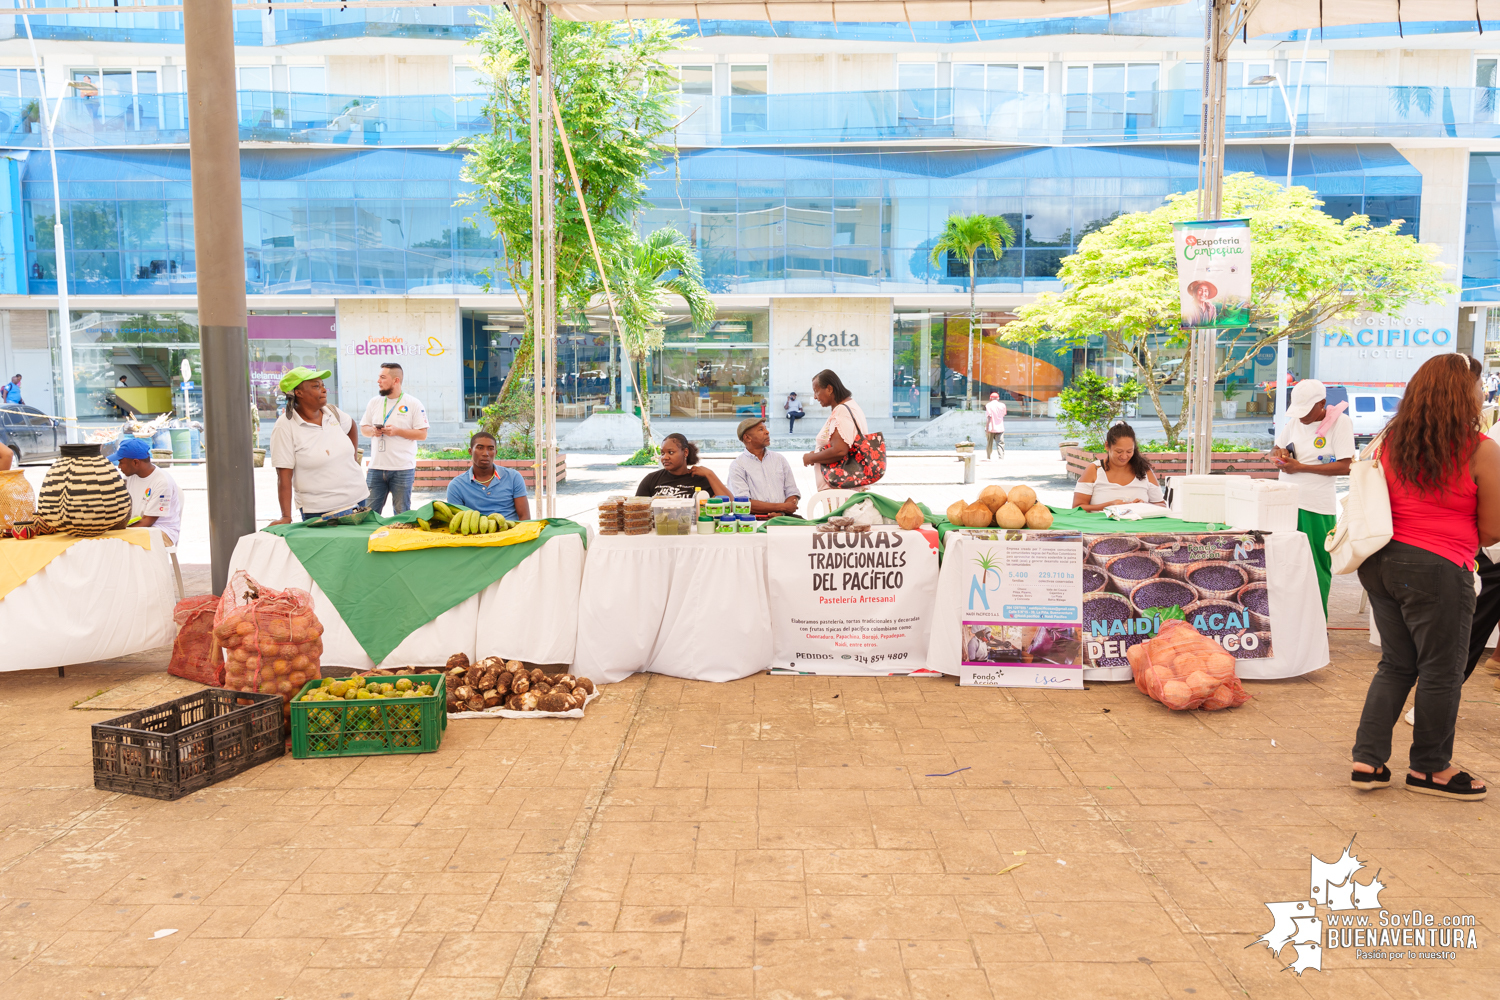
(1261, 505)
(1201, 498)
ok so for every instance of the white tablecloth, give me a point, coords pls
(100, 599)
(531, 613)
(693, 606)
(1299, 632)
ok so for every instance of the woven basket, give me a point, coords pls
(83, 493)
(17, 500)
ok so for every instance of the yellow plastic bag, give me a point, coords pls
(410, 539)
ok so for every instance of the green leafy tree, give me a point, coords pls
(963, 237)
(1308, 270)
(642, 273)
(1091, 404)
(617, 99)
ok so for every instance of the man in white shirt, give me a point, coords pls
(394, 422)
(155, 500)
(1312, 448)
(762, 474)
(994, 425)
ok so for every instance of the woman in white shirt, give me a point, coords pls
(314, 450)
(842, 428)
(1122, 476)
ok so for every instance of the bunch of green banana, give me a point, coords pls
(459, 521)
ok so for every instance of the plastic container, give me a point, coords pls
(745, 523)
(674, 515)
(372, 726)
(726, 525)
(717, 507)
(1261, 505)
(1201, 498)
(180, 746)
(706, 526)
(182, 442)
(741, 506)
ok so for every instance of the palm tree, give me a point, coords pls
(963, 236)
(644, 271)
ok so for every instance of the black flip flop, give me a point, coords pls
(1369, 781)
(1460, 786)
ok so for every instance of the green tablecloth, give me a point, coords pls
(386, 596)
(1063, 519)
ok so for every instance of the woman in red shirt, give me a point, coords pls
(1444, 480)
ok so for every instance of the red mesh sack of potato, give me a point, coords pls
(1184, 669)
(272, 641)
(194, 654)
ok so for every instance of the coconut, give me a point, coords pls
(1022, 496)
(1039, 516)
(909, 516)
(955, 512)
(1010, 516)
(993, 497)
(978, 516)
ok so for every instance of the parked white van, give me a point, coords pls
(1371, 409)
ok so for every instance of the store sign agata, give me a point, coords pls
(821, 342)
(397, 347)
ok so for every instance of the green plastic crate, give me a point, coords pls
(372, 726)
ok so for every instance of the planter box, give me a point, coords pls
(434, 474)
(1174, 463)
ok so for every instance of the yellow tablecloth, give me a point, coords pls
(409, 540)
(21, 559)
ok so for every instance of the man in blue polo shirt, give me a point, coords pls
(488, 489)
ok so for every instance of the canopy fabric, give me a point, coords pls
(1271, 16)
(848, 10)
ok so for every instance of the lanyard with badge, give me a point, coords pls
(385, 416)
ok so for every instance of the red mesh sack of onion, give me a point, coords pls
(1184, 669)
(271, 639)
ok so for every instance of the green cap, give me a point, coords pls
(297, 376)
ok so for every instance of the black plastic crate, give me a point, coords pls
(188, 743)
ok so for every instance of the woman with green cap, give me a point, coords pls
(314, 449)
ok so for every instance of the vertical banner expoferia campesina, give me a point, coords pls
(1213, 272)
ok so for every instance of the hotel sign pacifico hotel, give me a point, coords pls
(815, 168)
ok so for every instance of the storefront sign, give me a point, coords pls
(851, 336)
(1213, 272)
(850, 603)
(1132, 583)
(422, 335)
(1022, 614)
(1375, 348)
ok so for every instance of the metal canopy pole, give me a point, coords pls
(219, 247)
(1223, 20)
(549, 230)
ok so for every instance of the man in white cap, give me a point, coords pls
(994, 425)
(1313, 446)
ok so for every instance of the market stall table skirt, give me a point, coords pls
(690, 606)
(1299, 631)
(528, 614)
(95, 599)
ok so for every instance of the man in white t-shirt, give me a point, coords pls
(1313, 447)
(394, 422)
(155, 500)
(994, 425)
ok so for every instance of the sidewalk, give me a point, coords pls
(773, 838)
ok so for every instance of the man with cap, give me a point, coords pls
(762, 474)
(994, 425)
(1313, 446)
(155, 500)
(314, 449)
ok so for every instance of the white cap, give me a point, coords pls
(1305, 395)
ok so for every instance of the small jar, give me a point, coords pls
(706, 526)
(726, 525)
(746, 523)
(716, 507)
(741, 506)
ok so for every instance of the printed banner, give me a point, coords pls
(1022, 615)
(1213, 272)
(851, 602)
(1132, 583)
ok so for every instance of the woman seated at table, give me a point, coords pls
(680, 474)
(1122, 476)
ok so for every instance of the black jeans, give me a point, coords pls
(1423, 604)
(791, 421)
(1486, 611)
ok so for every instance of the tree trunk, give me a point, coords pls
(969, 392)
(642, 402)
